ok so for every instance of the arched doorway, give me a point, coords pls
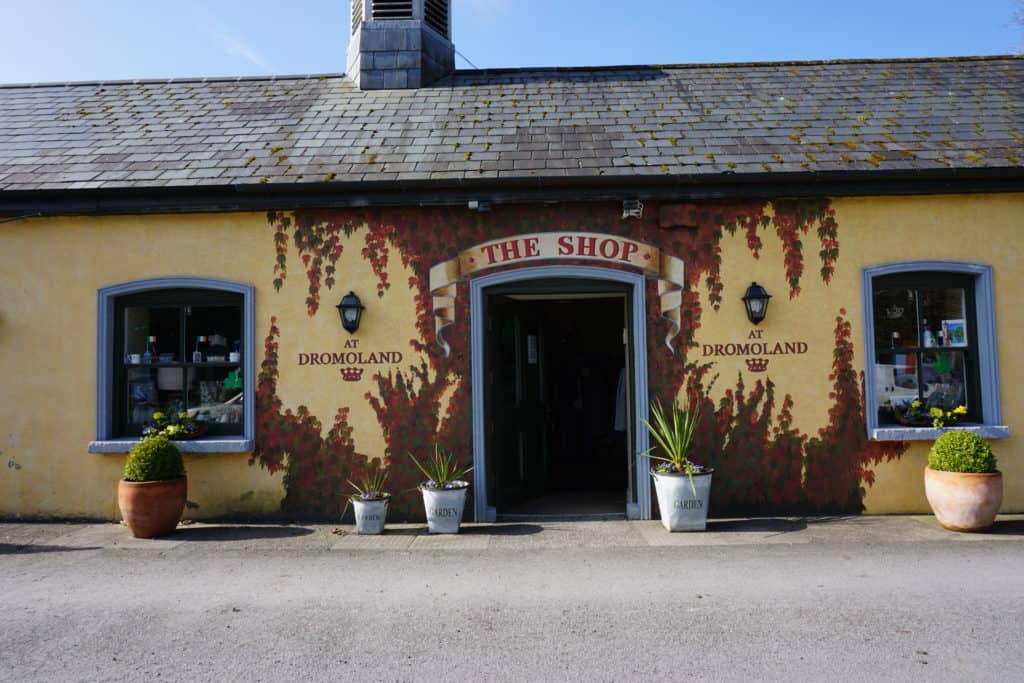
(559, 381)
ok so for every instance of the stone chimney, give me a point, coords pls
(400, 43)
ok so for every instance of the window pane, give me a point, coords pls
(215, 395)
(944, 314)
(944, 377)
(149, 390)
(154, 371)
(222, 327)
(143, 322)
(895, 311)
(895, 383)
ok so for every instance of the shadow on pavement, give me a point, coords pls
(758, 524)
(466, 530)
(237, 533)
(1008, 527)
(502, 530)
(812, 520)
(17, 549)
(393, 531)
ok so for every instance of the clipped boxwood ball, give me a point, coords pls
(154, 458)
(958, 451)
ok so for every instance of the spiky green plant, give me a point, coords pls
(371, 486)
(441, 469)
(673, 434)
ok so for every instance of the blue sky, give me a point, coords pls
(66, 40)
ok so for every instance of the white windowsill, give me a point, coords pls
(898, 433)
(230, 444)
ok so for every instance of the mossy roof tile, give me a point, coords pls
(642, 121)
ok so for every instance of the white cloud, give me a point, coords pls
(233, 46)
(226, 41)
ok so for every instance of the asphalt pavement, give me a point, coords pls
(819, 598)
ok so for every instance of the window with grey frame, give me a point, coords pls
(926, 348)
(178, 350)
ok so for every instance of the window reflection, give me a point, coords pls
(921, 341)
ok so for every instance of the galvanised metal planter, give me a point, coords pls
(681, 508)
(444, 507)
(370, 515)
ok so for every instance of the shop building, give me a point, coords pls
(539, 253)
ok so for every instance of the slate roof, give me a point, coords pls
(694, 121)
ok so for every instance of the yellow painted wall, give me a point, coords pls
(388, 323)
(980, 229)
(975, 228)
(52, 269)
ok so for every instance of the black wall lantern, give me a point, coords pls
(351, 310)
(756, 301)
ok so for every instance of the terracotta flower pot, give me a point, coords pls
(152, 508)
(964, 501)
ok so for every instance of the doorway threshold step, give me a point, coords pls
(566, 517)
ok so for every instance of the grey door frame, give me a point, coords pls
(641, 509)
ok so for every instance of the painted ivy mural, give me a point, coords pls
(763, 462)
(316, 466)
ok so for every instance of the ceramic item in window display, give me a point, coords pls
(210, 392)
(233, 380)
(150, 355)
(134, 358)
(197, 355)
